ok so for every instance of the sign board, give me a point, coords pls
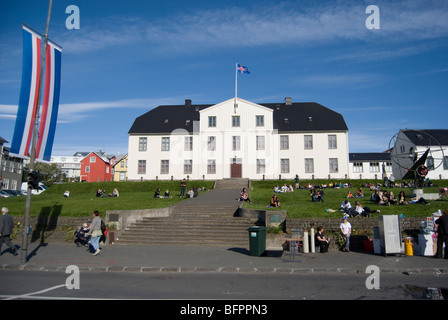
(390, 234)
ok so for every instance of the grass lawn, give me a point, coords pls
(139, 195)
(299, 205)
(83, 200)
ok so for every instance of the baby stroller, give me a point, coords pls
(81, 236)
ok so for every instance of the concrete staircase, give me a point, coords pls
(189, 230)
(208, 219)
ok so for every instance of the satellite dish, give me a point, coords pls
(414, 153)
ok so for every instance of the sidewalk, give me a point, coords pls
(166, 258)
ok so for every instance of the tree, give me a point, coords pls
(49, 173)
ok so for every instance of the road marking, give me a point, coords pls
(30, 295)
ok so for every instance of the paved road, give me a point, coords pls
(223, 286)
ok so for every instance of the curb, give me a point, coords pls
(223, 270)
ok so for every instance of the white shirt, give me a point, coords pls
(346, 227)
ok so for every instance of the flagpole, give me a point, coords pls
(23, 258)
(235, 105)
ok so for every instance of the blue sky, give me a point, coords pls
(130, 56)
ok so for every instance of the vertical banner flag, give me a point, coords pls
(28, 101)
(47, 127)
(29, 92)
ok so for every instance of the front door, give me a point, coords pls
(236, 170)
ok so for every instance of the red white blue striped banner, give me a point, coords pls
(29, 92)
(47, 127)
(28, 101)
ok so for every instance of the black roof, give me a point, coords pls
(427, 137)
(304, 116)
(369, 156)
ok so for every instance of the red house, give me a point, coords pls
(96, 167)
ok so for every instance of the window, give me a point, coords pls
(235, 121)
(236, 143)
(388, 166)
(92, 159)
(261, 166)
(259, 121)
(430, 163)
(374, 167)
(188, 166)
(87, 169)
(445, 163)
(284, 165)
(211, 166)
(308, 142)
(165, 167)
(284, 142)
(334, 165)
(142, 144)
(211, 144)
(358, 167)
(141, 167)
(212, 121)
(165, 143)
(332, 142)
(188, 143)
(260, 143)
(309, 165)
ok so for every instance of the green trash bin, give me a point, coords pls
(257, 240)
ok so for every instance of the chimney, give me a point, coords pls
(288, 101)
(187, 103)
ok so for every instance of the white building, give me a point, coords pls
(410, 145)
(370, 165)
(248, 140)
(70, 165)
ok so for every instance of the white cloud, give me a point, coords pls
(74, 112)
(303, 23)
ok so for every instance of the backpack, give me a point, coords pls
(103, 228)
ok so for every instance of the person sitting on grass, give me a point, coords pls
(244, 197)
(359, 193)
(364, 211)
(274, 201)
(443, 192)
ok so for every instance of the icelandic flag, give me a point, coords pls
(28, 101)
(242, 69)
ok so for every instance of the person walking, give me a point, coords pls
(95, 232)
(346, 230)
(442, 235)
(6, 226)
